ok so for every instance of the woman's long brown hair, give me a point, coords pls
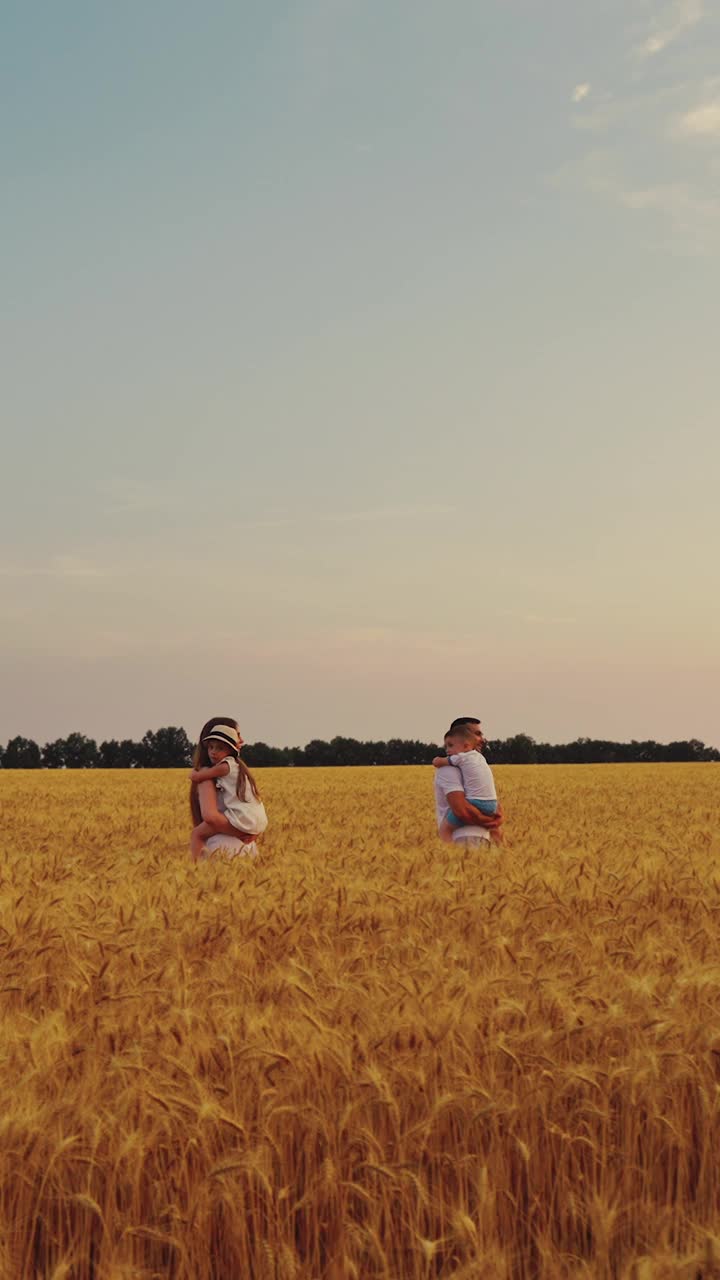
(201, 760)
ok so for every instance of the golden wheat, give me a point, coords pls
(365, 1054)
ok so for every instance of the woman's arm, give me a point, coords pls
(208, 801)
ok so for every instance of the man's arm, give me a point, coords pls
(469, 815)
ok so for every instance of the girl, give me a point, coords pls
(224, 799)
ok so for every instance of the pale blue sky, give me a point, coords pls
(360, 367)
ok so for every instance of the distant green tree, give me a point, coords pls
(691, 750)
(108, 754)
(258, 755)
(53, 754)
(80, 752)
(168, 748)
(21, 753)
(345, 751)
(319, 753)
(119, 755)
(521, 749)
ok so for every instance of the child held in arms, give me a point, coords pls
(242, 816)
(477, 778)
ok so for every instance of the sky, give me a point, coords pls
(359, 367)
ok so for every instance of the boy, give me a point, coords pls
(478, 782)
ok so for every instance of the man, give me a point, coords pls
(231, 847)
(450, 797)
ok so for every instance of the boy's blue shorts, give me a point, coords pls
(485, 806)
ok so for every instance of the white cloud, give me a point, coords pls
(131, 500)
(682, 15)
(373, 515)
(409, 512)
(542, 619)
(57, 567)
(136, 499)
(667, 197)
(72, 567)
(690, 211)
(702, 122)
(639, 111)
(580, 92)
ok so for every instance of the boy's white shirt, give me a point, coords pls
(478, 782)
(446, 780)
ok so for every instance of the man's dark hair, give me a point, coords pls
(461, 720)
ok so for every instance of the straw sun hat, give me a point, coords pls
(227, 735)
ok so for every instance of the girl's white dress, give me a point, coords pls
(247, 815)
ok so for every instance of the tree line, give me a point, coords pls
(170, 748)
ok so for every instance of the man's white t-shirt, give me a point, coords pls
(448, 779)
(231, 847)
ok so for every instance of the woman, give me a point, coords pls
(204, 797)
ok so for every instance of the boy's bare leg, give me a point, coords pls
(445, 831)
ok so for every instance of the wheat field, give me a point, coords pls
(364, 1054)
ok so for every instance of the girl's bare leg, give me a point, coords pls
(198, 837)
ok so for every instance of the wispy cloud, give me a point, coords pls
(701, 122)
(141, 562)
(694, 215)
(681, 15)
(370, 515)
(131, 499)
(692, 212)
(542, 619)
(58, 567)
(629, 113)
(409, 512)
(640, 111)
